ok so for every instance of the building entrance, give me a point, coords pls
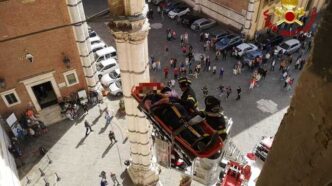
(45, 94)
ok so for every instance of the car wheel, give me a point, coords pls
(119, 94)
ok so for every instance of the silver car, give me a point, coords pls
(288, 47)
(202, 24)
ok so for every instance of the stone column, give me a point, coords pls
(130, 29)
(76, 13)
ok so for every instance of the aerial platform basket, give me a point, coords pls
(180, 144)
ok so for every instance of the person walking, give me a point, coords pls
(186, 38)
(238, 90)
(224, 54)
(218, 53)
(166, 70)
(273, 64)
(228, 92)
(221, 89)
(114, 179)
(158, 65)
(87, 127)
(214, 70)
(221, 73)
(205, 91)
(111, 136)
(108, 115)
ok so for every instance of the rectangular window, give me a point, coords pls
(71, 78)
(10, 98)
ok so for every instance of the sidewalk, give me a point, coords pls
(79, 159)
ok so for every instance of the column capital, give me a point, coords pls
(130, 30)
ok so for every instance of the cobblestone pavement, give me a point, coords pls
(78, 160)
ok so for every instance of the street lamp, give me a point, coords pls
(29, 57)
(66, 60)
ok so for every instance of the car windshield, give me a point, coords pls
(114, 75)
(99, 67)
(118, 84)
(224, 41)
(284, 46)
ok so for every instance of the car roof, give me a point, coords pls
(255, 52)
(243, 46)
(292, 41)
(105, 51)
(201, 20)
(108, 61)
(95, 38)
(95, 45)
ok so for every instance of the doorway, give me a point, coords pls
(45, 94)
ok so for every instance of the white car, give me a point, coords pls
(178, 11)
(105, 53)
(244, 48)
(95, 39)
(98, 46)
(111, 77)
(115, 88)
(288, 47)
(106, 66)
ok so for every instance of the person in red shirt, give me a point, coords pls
(176, 72)
(166, 72)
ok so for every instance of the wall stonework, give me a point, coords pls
(302, 149)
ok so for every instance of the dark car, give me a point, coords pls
(228, 42)
(218, 36)
(250, 56)
(188, 19)
(270, 41)
(173, 5)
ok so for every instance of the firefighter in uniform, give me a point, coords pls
(214, 116)
(188, 98)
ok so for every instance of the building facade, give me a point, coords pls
(43, 56)
(245, 15)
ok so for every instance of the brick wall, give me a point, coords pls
(47, 47)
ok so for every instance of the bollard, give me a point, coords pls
(57, 177)
(28, 180)
(42, 173)
(46, 182)
(49, 159)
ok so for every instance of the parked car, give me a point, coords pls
(244, 48)
(218, 36)
(172, 5)
(98, 46)
(95, 39)
(202, 24)
(106, 66)
(178, 11)
(105, 53)
(92, 33)
(189, 19)
(228, 42)
(111, 77)
(270, 41)
(116, 88)
(249, 56)
(288, 47)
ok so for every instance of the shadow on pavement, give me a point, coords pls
(126, 180)
(107, 150)
(81, 141)
(96, 120)
(30, 146)
(102, 130)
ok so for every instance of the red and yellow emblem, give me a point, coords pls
(289, 12)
